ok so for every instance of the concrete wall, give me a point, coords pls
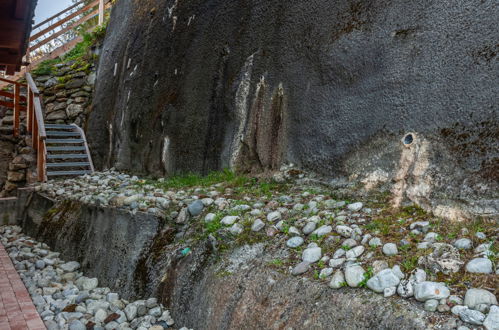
(8, 212)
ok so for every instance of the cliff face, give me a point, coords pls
(330, 86)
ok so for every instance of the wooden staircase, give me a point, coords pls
(62, 150)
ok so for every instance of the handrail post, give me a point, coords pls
(41, 160)
(17, 109)
(101, 12)
(29, 117)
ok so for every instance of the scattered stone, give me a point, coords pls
(257, 225)
(70, 266)
(274, 216)
(210, 217)
(344, 231)
(229, 220)
(355, 252)
(312, 254)
(337, 280)
(388, 292)
(236, 229)
(390, 249)
(475, 297)
(492, 320)
(301, 268)
(295, 242)
(354, 275)
(431, 305)
(471, 316)
(354, 207)
(323, 230)
(195, 208)
(325, 272)
(309, 228)
(479, 265)
(405, 289)
(384, 279)
(463, 244)
(430, 290)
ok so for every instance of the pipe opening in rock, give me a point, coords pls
(408, 139)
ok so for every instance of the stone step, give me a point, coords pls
(67, 156)
(64, 141)
(58, 126)
(62, 133)
(68, 148)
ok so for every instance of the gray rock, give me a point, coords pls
(475, 297)
(229, 220)
(323, 230)
(131, 312)
(70, 266)
(492, 320)
(337, 280)
(405, 289)
(430, 290)
(40, 264)
(355, 252)
(309, 228)
(390, 249)
(388, 292)
(480, 235)
(312, 255)
(100, 315)
(274, 216)
(471, 316)
(354, 275)
(384, 279)
(354, 207)
(73, 110)
(479, 265)
(344, 231)
(294, 242)
(236, 229)
(463, 244)
(374, 242)
(325, 272)
(334, 263)
(431, 305)
(257, 225)
(301, 268)
(195, 208)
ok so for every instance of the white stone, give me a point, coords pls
(492, 320)
(471, 316)
(355, 252)
(479, 265)
(390, 249)
(312, 255)
(323, 230)
(236, 229)
(388, 292)
(229, 220)
(257, 225)
(374, 242)
(354, 275)
(210, 217)
(337, 280)
(354, 207)
(430, 290)
(294, 242)
(344, 231)
(475, 297)
(463, 244)
(274, 216)
(325, 272)
(384, 279)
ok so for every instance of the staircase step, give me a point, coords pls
(69, 164)
(61, 133)
(58, 126)
(64, 141)
(68, 148)
(8, 120)
(6, 129)
(65, 173)
(67, 156)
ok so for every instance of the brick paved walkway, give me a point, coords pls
(17, 311)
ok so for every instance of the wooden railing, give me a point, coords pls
(14, 103)
(62, 25)
(36, 126)
(34, 118)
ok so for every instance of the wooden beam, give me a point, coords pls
(64, 20)
(58, 14)
(62, 31)
(21, 9)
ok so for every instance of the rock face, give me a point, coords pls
(322, 84)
